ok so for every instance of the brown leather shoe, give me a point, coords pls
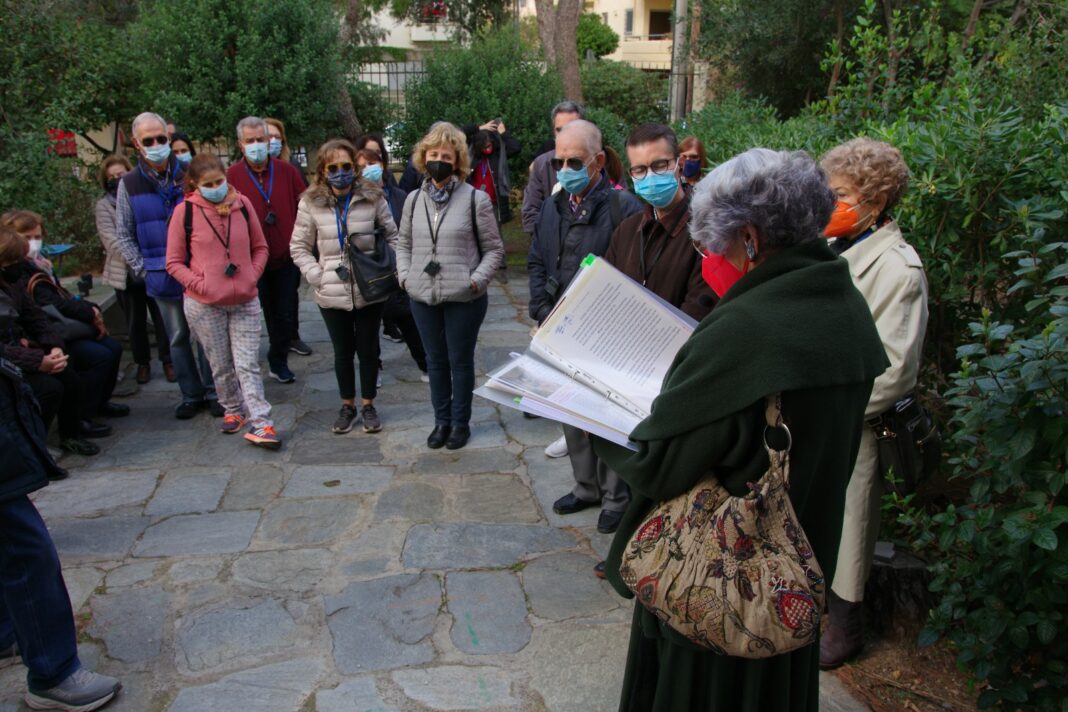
(168, 372)
(843, 639)
(144, 374)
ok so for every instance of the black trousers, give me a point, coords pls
(137, 306)
(355, 334)
(278, 297)
(60, 396)
(399, 311)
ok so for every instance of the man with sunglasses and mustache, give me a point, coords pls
(274, 187)
(577, 221)
(144, 202)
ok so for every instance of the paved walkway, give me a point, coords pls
(344, 573)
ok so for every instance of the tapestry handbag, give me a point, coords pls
(735, 575)
(375, 272)
(909, 445)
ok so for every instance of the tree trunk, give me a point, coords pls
(973, 23)
(546, 15)
(567, 60)
(347, 33)
(839, 38)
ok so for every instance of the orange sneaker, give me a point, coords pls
(264, 437)
(232, 424)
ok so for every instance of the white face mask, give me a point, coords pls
(35, 248)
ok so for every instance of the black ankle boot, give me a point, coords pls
(459, 437)
(438, 436)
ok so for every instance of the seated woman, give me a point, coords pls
(790, 322)
(31, 341)
(94, 355)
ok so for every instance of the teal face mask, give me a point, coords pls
(657, 189)
(215, 194)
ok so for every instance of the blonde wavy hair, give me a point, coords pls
(441, 135)
(875, 168)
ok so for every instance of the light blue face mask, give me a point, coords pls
(216, 194)
(184, 158)
(158, 153)
(657, 189)
(573, 181)
(275, 147)
(255, 152)
(373, 172)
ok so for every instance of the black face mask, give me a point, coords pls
(438, 170)
(113, 185)
(11, 273)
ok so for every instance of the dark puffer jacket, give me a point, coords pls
(21, 319)
(562, 239)
(46, 292)
(25, 463)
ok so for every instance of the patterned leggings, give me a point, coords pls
(231, 339)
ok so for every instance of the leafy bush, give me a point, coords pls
(495, 76)
(373, 107)
(630, 93)
(595, 36)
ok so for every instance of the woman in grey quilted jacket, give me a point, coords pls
(338, 213)
(448, 250)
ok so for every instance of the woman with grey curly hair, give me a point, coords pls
(869, 178)
(790, 322)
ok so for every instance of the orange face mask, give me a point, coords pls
(844, 220)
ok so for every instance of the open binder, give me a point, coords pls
(599, 358)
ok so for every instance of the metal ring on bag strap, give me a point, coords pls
(773, 416)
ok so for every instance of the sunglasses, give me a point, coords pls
(161, 140)
(575, 164)
(658, 167)
(335, 167)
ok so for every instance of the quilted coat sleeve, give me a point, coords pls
(490, 243)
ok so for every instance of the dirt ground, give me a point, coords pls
(895, 675)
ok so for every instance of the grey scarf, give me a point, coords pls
(441, 195)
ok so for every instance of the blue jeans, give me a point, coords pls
(194, 380)
(449, 332)
(279, 300)
(97, 364)
(35, 608)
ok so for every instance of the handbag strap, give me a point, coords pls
(773, 418)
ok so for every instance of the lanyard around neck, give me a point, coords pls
(439, 217)
(224, 243)
(270, 182)
(341, 215)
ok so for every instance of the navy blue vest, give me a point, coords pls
(152, 205)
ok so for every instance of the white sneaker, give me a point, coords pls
(557, 448)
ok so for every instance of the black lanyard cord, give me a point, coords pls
(226, 243)
(439, 214)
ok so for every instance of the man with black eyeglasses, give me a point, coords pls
(143, 205)
(274, 187)
(577, 221)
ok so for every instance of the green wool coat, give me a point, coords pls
(795, 325)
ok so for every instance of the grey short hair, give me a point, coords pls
(782, 194)
(144, 117)
(591, 135)
(252, 122)
(567, 107)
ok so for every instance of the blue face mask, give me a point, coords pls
(184, 158)
(216, 194)
(573, 181)
(657, 189)
(255, 152)
(157, 153)
(341, 179)
(275, 147)
(373, 173)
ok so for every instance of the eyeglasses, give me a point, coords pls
(660, 167)
(160, 140)
(699, 249)
(335, 167)
(575, 164)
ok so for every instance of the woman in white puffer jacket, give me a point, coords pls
(342, 208)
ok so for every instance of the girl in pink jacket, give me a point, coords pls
(217, 251)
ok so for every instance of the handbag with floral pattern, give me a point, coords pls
(735, 575)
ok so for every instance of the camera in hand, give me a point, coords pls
(271, 218)
(85, 284)
(343, 273)
(432, 267)
(231, 270)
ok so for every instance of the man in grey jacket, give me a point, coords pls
(542, 174)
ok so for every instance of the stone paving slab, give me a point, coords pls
(350, 573)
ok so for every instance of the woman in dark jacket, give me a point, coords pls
(491, 146)
(32, 343)
(789, 321)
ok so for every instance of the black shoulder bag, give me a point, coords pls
(375, 272)
(909, 445)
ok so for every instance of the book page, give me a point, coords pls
(611, 333)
